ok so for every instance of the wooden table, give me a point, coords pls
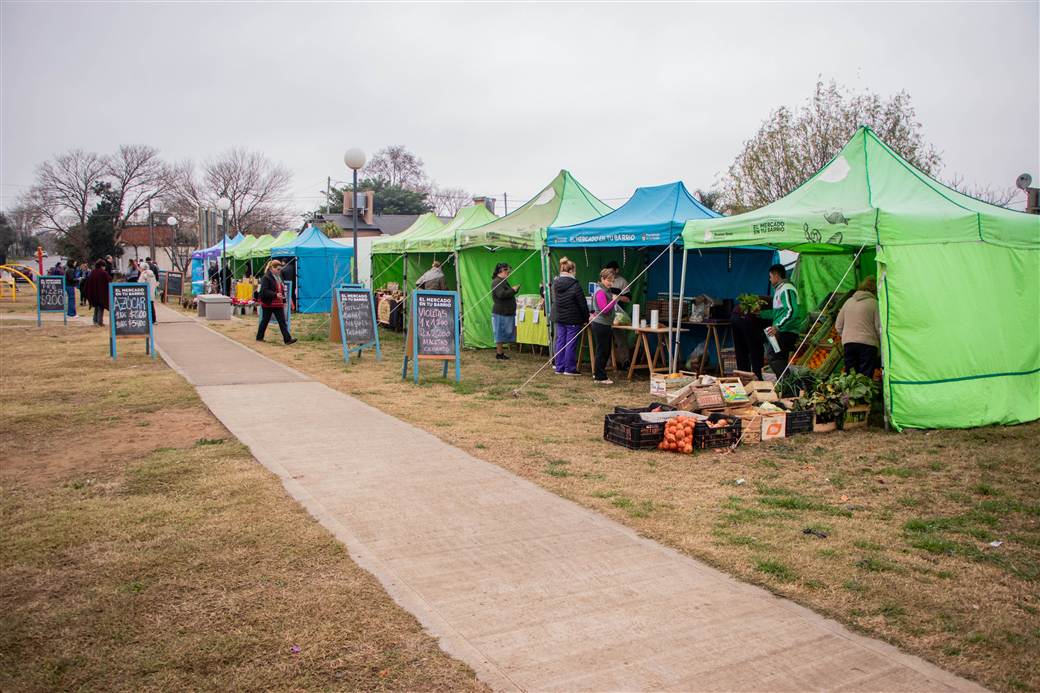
(592, 351)
(651, 360)
(712, 335)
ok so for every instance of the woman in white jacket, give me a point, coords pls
(148, 277)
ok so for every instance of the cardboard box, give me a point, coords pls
(774, 424)
(663, 386)
(761, 391)
(733, 391)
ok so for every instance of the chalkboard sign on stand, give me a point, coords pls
(50, 296)
(130, 314)
(174, 285)
(356, 308)
(433, 331)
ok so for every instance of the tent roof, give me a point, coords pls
(262, 248)
(241, 251)
(868, 195)
(311, 242)
(395, 244)
(442, 240)
(217, 248)
(652, 216)
(562, 202)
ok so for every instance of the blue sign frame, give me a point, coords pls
(64, 293)
(414, 337)
(149, 345)
(358, 288)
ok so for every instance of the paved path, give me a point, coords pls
(533, 591)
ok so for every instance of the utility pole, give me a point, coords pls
(151, 232)
(328, 195)
(505, 204)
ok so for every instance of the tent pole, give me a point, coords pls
(550, 328)
(671, 293)
(682, 292)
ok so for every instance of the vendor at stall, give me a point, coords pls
(784, 316)
(859, 325)
(432, 279)
(619, 287)
(503, 309)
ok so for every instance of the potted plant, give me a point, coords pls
(860, 391)
(828, 403)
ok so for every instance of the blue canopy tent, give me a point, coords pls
(321, 264)
(652, 219)
(200, 259)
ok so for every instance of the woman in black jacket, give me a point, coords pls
(570, 314)
(272, 302)
(503, 311)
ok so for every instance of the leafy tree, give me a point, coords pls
(388, 199)
(7, 235)
(101, 224)
(791, 145)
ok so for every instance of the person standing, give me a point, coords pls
(154, 265)
(749, 340)
(602, 325)
(82, 272)
(570, 315)
(784, 316)
(432, 279)
(97, 291)
(620, 288)
(71, 280)
(133, 271)
(110, 266)
(147, 276)
(503, 310)
(859, 325)
(272, 302)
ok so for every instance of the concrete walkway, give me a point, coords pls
(533, 591)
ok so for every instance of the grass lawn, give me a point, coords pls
(908, 517)
(143, 548)
(25, 301)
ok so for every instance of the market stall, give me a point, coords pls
(517, 238)
(937, 255)
(260, 253)
(388, 253)
(200, 260)
(319, 266)
(238, 257)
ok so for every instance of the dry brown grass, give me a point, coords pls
(906, 558)
(25, 303)
(143, 548)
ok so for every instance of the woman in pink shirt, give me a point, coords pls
(602, 325)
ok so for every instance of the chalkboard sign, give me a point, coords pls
(130, 311)
(52, 293)
(434, 330)
(357, 320)
(50, 296)
(174, 283)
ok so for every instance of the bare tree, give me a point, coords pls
(397, 166)
(257, 187)
(791, 145)
(139, 177)
(1001, 197)
(448, 201)
(63, 193)
(712, 199)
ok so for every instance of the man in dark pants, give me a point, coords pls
(272, 302)
(749, 341)
(784, 315)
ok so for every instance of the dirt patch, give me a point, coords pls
(909, 518)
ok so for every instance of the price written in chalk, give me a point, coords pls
(52, 293)
(174, 284)
(356, 310)
(130, 310)
(435, 325)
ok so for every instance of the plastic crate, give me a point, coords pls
(800, 422)
(708, 397)
(630, 431)
(705, 438)
(653, 406)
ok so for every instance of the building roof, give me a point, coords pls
(140, 235)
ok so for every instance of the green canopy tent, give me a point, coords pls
(388, 253)
(958, 281)
(438, 244)
(519, 239)
(239, 255)
(261, 250)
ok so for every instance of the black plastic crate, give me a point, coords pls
(706, 438)
(799, 422)
(630, 431)
(653, 406)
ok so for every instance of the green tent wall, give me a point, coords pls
(958, 281)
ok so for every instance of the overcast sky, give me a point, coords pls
(498, 97)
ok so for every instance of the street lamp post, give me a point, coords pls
(354, 158)
(223, 204)
(172, 222)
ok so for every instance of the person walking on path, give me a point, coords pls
(147, 276)
(859, 325)
(272, 302)
(602, 325)
(570, 315)
(784, 315)
(70, 289)
(97, 291)
(503, 312)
